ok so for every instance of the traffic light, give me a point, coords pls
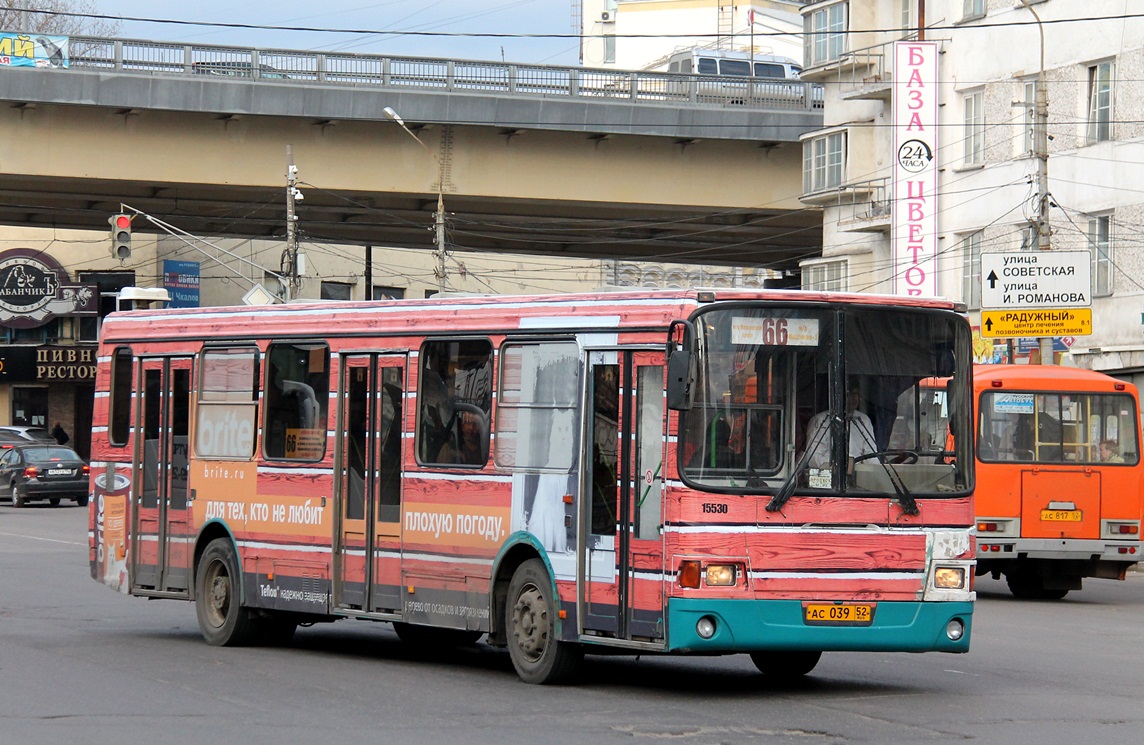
(120, 236)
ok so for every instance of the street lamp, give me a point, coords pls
(439, 217)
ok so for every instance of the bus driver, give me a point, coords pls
(861, 433)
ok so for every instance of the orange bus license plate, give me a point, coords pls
(1061, 516)
(857, 614)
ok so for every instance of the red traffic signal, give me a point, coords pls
(120, 236)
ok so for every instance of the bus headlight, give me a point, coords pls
(949, 578)
(720, 575)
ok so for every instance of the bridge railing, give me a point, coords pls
(428, 73)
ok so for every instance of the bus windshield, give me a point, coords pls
(814, 394)
(1058, 427)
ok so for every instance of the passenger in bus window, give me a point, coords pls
(1023, 438)
(1109, 452)
(468, 448)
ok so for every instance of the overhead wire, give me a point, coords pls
(958, 26)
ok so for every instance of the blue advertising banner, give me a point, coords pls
(33, 50)
(1024, 346)
(181, 280)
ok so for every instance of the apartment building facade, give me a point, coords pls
(990, 56)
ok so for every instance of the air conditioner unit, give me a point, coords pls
(606, 16)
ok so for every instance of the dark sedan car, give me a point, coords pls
(39, 471)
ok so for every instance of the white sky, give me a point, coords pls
(453, 16)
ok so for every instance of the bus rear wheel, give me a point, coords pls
(1027, 583)
(218, 602)
(785, 664)
(530, 613)
(276, 630)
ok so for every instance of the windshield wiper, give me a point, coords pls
(905, 499)
(786, 491)
(909, 505)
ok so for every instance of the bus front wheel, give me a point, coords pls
(218, 603)
(785, 664)
(538, 656)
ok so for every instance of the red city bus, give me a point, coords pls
(1060, 480)
(564, 474)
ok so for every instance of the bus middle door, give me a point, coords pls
(161, 559)
(622, 572)
(370, 447)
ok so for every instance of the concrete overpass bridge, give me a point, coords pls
(529, 159)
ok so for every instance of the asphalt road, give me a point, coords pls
(82, 664)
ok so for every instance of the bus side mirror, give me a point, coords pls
(679, 378)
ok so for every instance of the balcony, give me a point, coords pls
(869, 210)
(862, 206)
(861, 74)
(866, 74)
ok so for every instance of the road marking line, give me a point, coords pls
(37, 538)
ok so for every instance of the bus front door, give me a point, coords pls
(622, 575)
(370, 426)
(161, 547)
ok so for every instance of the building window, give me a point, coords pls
(825, 276)
(337, 291)
(1100, 102)
(907, 11)
(822, 162)
(30, 406)
(109, 284)
(826, 34)
(972, 9)
(971, 263)
(609, 49)
(34, 335)
(1100, 244)
(381, 292)
(974, 142)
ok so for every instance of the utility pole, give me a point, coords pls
(439, 227)
(368, 272)
(290, 268)
(439, 216)
(1041, 153)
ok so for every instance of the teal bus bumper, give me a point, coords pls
(756, 625)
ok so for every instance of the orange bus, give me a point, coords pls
(1060, 480)
(563, 475)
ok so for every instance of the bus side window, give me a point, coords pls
(297, 394)
(454, 402)
(119, 417)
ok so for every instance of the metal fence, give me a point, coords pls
(427, 73)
